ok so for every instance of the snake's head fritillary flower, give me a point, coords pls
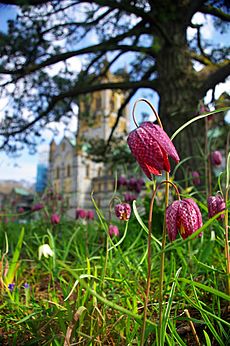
(123, 211)
(151, 146)
(196, 178)
(55, 219)
(122, 181)
(184, 217)
(113, 231)
(37, 207)
(216, 204)
(81, 214)
(216, 157)
(45, 250)
(90, 215)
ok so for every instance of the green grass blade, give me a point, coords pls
(206, 288)
(168, 309)
(139, 219)
(13, 265)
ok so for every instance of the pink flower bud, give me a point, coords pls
(37, 207)
(90, 215)
(123, 211)
(113, 231)
(55, 219)
(81, 214)
(183, 216)
(196, 178)
(216, 157)
(216, 204)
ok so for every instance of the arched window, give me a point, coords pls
(87, 171)
(68, 171)
(57, 172)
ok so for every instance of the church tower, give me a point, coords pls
(96, 117)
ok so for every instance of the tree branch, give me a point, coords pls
(80, 90)
(212, 75)
(208, 9)
(109, 45)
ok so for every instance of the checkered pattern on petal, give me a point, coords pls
(189, 217)
(171, 220)
(215, 205)
(162, 139)
(150, 146)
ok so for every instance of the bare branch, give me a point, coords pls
(212, 75)
(208, 9)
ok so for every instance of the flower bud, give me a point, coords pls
(113, 231)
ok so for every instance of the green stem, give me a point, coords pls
(162, 264)
(227, 254)
(167, 182)
(149, 268)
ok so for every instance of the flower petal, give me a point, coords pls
(171, 220)
(190, 218)
(162, 139)
(147, 152)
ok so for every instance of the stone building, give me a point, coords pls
(71, 171)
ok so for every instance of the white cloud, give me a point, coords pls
(207, 28)
(24, 168)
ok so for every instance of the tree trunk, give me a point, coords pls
(179, 93)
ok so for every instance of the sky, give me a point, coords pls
(24, 167)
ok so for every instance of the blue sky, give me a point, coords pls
(24, 167)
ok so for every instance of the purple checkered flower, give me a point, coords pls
(216, 204)
(123, 211)
(183, 216)
(37, 207)
(151, 146)
(90, 214)
(81, 214)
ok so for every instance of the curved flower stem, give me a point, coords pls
(167, 182)
(151, 106)
(162, 264)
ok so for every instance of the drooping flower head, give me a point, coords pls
(123, 211)
(37, 207)
(216, 204)
(81, 214)
(129, 198)
(122, 181)
(216, 157)
(196, 178)
(113, 231)
(151, 146)
(183, 216)
(45, 250)
(55, 219)
(90, 214)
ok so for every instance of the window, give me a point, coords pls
(68, 171)
(57, 172)
(99, 171)
(87, 171)
(98, 103)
